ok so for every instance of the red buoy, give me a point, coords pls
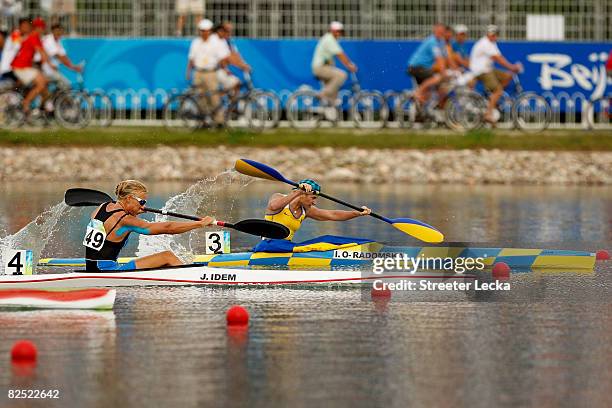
(602, 255)
(237, 316)
(501, 270)
(24, 351)
(380, 293)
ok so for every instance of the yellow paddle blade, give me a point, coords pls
(422, 232)
(259, 170)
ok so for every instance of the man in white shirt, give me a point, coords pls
(323, 62)
(12, 45)
(206, 55)
(483, 57)
(56, 52)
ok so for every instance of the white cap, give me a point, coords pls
(460, 28)
(336, 26)
(205, 24)
(492, 29)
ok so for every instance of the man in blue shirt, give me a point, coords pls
(460, 53)
(427, 64)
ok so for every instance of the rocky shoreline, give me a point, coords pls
(165, 163)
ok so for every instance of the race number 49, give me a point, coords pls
(217, 242)
(17, 262)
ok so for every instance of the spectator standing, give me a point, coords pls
(186, 8)
(10, 8)
(323, 62)
(56, 9)
(206, 56)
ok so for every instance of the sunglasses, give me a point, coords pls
(141, 201)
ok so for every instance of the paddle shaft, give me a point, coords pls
(187, 217)
(354, 207)
(337, 200)
(172, 214)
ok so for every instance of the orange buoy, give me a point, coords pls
(501, 270)
(24, 351)
(380, 293)
(237, 316)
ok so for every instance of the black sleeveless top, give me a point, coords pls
(110, 250)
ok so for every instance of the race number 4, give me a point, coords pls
(217, 242)
(17, 262)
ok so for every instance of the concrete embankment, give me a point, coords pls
(326, 164)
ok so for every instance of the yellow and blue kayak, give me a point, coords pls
(360, 253)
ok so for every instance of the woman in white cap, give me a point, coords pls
(323, 62)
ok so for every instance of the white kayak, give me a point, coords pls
(200, 275)
(100, 299)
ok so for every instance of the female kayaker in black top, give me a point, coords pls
(112, 223)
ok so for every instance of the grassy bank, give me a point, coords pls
(581, 140)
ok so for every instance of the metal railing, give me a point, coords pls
(143, 107)
(584, 20)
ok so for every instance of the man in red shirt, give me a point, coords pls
(22, 65)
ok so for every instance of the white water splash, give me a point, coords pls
(38, 234)
(202, 198)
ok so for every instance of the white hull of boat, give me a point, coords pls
(200, 275)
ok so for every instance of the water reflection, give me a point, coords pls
(170, 346)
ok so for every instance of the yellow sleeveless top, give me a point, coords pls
(286, 218)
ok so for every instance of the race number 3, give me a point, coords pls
(17, 262)
(95, 235)
(217, 242)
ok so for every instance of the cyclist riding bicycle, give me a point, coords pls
(56, 52)
(227, 80)
(483, 57)
(428, 63)
(458, 47)
(206, 55)
(23, 65)
(323, 63)
(12, 44)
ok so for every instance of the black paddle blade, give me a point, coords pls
(262, 228)
(84, 197)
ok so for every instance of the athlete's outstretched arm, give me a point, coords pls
(135, 224)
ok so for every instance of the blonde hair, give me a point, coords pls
(127, 187)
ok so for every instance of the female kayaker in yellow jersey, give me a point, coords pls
(291, 209)
(112, 222)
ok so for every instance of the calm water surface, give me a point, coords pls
(550, 346)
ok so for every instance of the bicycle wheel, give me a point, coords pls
(11, 111)
(531, 112)
(305, 109)
(465, 111)
(406, 111)
(258, 112)
(73, 110)
(369, 110)
(270, 108)
(102, 109)
(182, 112)
(599, 112)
